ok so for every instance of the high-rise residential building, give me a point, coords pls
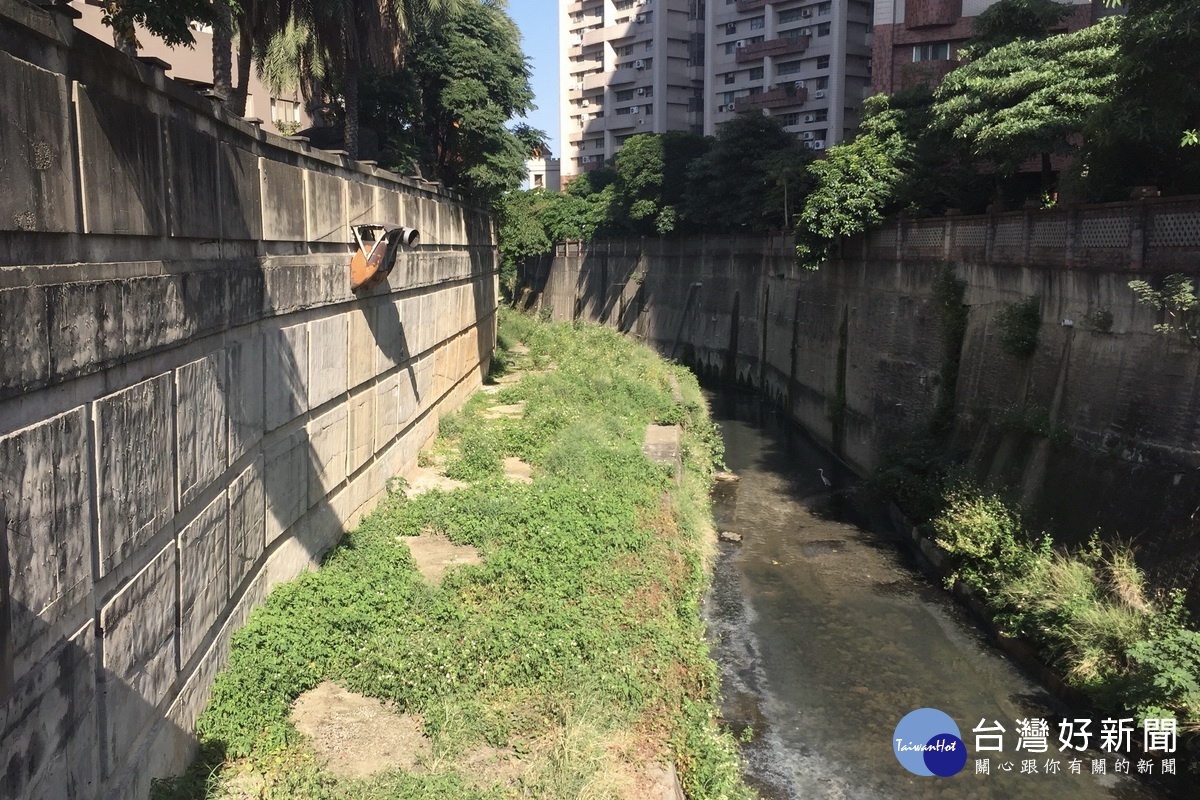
(806, 62)
(642, 66)
(917, 41)
(627, 67)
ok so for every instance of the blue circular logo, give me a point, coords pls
(927, 742)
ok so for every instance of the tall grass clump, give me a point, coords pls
(1088, 611)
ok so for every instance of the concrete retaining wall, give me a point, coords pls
(854, 353)
(193, 405)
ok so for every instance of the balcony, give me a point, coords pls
(594, 126)
(751, 5)
(931, 13)
(773, 48)
(781, 97)
(595, 80)
(627, 75)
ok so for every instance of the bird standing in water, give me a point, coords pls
(824, 480)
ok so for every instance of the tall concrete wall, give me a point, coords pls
(193, 404)
(854, 352)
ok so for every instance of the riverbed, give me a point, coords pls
(827, 635)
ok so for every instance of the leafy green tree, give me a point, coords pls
(857, 183)
(1177, 301)
(1030, 98)
(1010, 21)
(733, 185)
(652, 180)
(166, 19)
(1141, 137)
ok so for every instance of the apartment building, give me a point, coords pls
(627, 67)
(807, 62)
(917, 41)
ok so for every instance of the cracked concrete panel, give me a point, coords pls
(121, 158)
(36, 168)
(203, 575)
(25, 337)
(328, 342)
(325, 205)
(46, 521)
(362, 429)
(202, 444)
(327, 436)
(362, 345)
(282, 190)
(192, 181)
(49, 728)
(244, 395)
(136, 467)
(285, 374)
(138, 634)
(286, 483)
(247, 519)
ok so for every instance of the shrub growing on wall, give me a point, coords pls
(1019, 324)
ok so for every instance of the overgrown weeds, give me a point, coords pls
(1089, 610)
(581, 626)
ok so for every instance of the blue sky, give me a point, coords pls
(538, 21)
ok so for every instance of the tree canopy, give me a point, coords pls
(1009, 21)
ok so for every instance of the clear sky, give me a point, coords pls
(538, 21)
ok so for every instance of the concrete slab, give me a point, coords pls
(203, 575)
(517, 470)
(136, 469)
(201, 441)
(662, 445)
(285, 482)
(422, 479)
(327, 346)
(283, 204)
(434, 554)
(327, 439)
(285, 375)
(244, 395)
(247, 520)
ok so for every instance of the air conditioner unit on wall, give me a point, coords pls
(808, 136)
(641, 90)
(819, 144)
(740, 43)
(639, 19)
(810, 117)
(806, 12)
(641, 122)
(639, 64)
(798, 84)
(634, 109)
(819, 94)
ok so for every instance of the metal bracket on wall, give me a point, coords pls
(376, 255)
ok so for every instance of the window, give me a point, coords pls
(649, 91)
(790, 119)
(794, 14)
(790, 68)
(620, 20)
(822, 83)
(627, 50)
(730, 47)
(538, 181)
(821, 115)
(754, 90)
(727, 98)
(648, 108)
(822, 62)
(730, 77)
(823, 29)
(824, 9)
(756, 74)
(934, 51)
(730, 29)
(758, 23)
(649, 46)
(625, 94)
(647, 17)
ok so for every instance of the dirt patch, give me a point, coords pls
(487, 766)
(423, 479)
(434, 553)
(358, 736)
(658, 782)
(517, 470)
(513, 411)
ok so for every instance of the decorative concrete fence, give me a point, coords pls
(193, 404)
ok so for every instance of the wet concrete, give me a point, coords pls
(827, 636)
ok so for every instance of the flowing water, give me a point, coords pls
(827, 636)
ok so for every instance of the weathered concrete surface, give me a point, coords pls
(193, 404)
(854, 352)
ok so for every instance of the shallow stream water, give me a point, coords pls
(827, 635)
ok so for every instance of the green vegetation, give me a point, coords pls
(1088, 612)
(1019, 324)
(577, 646)
(1009, 21)
(1177, 301)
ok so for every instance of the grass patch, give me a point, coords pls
(1088, 611)
(577, 644)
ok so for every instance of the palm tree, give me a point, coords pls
(338, 39)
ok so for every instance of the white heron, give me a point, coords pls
(824, 480)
